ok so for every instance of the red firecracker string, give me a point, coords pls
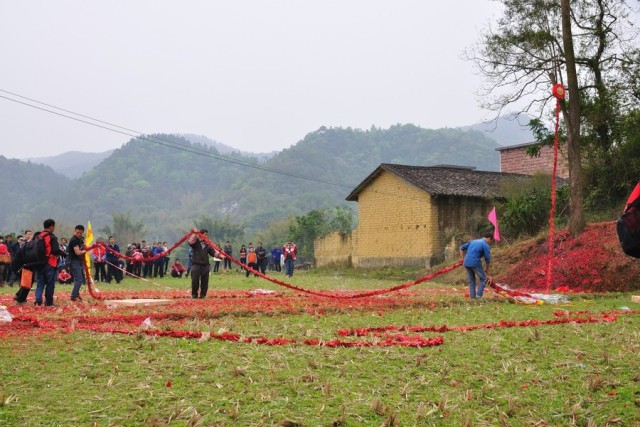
(95, 293)
(559, 92)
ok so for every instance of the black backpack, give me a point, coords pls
(35, 251)
(628, 227)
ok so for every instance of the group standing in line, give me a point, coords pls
(65, 262)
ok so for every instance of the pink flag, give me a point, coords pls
(493, 219)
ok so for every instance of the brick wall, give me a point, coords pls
(395, 224)
(334, 249)
(401, 225)
(515, 160)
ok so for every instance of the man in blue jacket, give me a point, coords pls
(472, 253)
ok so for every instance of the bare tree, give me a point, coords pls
(577, 222)
(586, 45)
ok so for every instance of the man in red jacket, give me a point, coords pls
(47, 272)
(289, 251)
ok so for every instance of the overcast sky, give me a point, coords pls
(256, 75)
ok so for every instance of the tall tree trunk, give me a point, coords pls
(577, 222)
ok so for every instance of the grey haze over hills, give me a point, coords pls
(223, 148)
(506, 131)
(72, 164)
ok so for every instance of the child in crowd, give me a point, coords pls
(64, 277)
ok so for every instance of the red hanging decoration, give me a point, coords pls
(558, 91)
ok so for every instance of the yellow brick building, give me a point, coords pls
(413, 215)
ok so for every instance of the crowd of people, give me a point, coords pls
(65, 262)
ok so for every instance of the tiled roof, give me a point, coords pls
(444, 180)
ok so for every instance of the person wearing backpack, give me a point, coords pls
(46, 267)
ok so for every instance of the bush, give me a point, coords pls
(526, 210)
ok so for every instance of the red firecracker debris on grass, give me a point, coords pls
(591, 262)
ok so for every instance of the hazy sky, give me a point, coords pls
(256, 75)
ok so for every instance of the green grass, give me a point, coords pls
(571, 374)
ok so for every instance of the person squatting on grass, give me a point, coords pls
(178, 269)
(64, 277)
(200, 264)
(472, 253)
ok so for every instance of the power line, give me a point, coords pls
(157, 140)
(173, 144)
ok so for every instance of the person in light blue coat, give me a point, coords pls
(472, 252)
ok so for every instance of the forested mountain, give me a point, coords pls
(223, 148)
(27, 190)
(168, 188)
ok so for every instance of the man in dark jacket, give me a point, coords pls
(47, 273)
(200, 264)
(113, 269)
(261, 252)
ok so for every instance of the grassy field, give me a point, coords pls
(88, 364)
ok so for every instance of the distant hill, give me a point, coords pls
(72, 164)
(168, 189)
(30, 193)
(506, 131)
(224, 149)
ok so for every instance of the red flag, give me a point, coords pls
(493, 219)
(634, 195)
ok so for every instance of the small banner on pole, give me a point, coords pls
(493, 219)
(87, 242)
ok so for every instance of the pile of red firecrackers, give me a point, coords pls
(592, 262)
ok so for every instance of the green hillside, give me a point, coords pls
(27, 191)
(167, 182)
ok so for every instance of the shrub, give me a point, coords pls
(526, 209)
